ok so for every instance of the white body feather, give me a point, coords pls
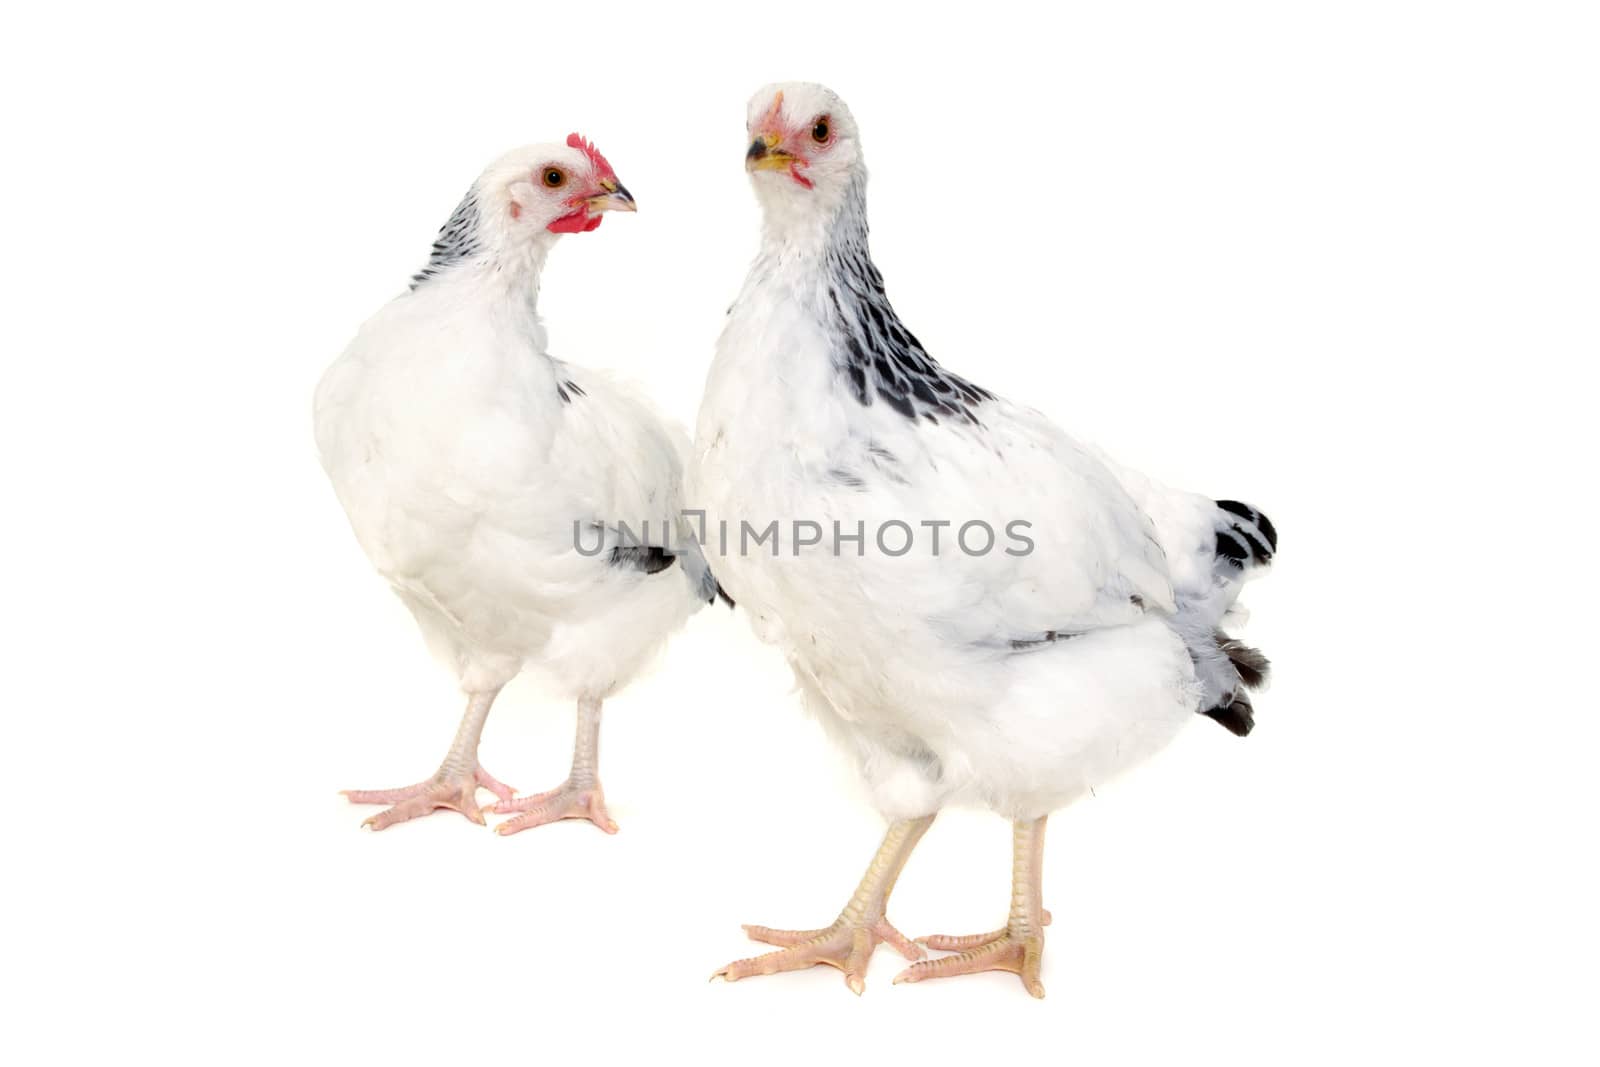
(935, 671)
(908, 658)
(463, 470)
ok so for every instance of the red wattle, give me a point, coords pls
(794, 172)
(577, 222)
(594, 223)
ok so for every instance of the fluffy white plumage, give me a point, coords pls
(463, 454)
(934, 670)
(1016, 673)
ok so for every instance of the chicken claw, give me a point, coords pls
(569, 801)
(457, 792)
(1018, 946)
(848, 943)
(845, 945)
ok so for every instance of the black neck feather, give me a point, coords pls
(879, 357)
(458, 240)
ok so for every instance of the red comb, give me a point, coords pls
(587, 148)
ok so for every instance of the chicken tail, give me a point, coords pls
(1248, 669)
(1228, 669)
(1246, 539)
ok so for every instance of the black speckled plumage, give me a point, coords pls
(457, 240)
(1231, 548)
(1244, 535)
(880, 359)
(1250, 514)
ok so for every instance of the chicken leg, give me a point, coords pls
(454, 785)
(1016, 947)
(860, 927)
(579, 797)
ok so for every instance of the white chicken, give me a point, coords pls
(524, 509)
(978, 608)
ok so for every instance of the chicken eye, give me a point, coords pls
(554, 177)
(819, 132)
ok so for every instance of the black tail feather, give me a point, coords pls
(651, 559)
(1238, 717)
(1235, 712)
(1246, 540)
(1250, 514)
(1253, 667)
(1245, 537)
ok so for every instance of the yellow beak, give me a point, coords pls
(615, 198)
(764, 154)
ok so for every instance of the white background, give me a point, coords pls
(1338, 260)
